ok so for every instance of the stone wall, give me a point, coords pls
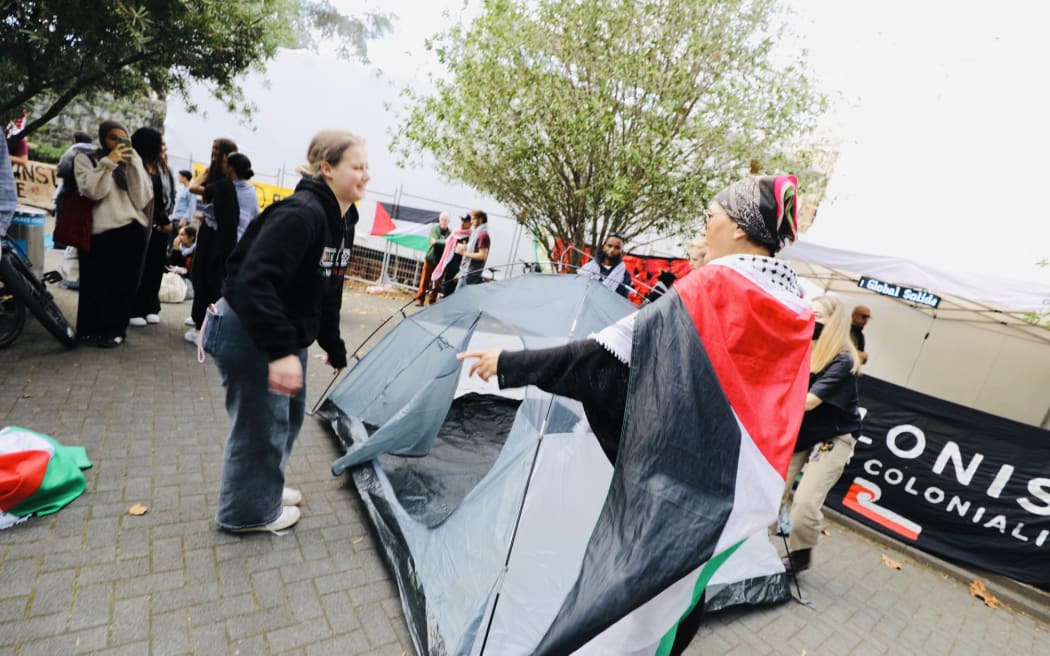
(85, 115)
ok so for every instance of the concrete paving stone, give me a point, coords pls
(93, 606)
(196, 531)
(966, 648)
(340, 579)
(341, 645)
(376, 624)
(200, 566)
(371, 592)
(210, 639)
(314, 548)
(150, 584)
(74, 642)
(18, 575)
(300, 634)
(190, 595)
(33, 628)
(114, 571)
(133, 540)
(222, 608)
(305, 570)
(389, 649)
(83, 556)
(268, 588)
(13, 608)
(234, 577)
(129, 649)
(170, 633)
(130, 621)
(284, 554)
(304, 601)
(100, 532)
(340, 612)
(52, 592)
(259, 623)
(166, 554)
(392, 605)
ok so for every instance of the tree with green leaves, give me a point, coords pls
(586, 117)
(54, 51)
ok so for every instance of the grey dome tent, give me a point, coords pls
(483, 500)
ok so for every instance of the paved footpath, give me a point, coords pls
(94, 579)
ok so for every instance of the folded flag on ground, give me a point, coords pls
(37, 475)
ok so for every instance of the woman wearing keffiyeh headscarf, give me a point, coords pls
(696, 400)
(113, 177)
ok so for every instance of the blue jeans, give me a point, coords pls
(263, 426)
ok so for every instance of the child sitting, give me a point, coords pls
(182, 250)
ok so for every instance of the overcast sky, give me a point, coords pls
(942, 132)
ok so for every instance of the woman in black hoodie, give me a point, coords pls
(283, 290)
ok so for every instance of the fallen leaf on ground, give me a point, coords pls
(138, 509)
(891, 563)
(979, 590)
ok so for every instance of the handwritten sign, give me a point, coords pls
(36, 183)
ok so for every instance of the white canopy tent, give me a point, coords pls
(976, 348)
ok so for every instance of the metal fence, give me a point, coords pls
(383, 267)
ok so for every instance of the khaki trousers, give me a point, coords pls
(820, 468)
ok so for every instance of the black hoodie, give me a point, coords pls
(285, 277)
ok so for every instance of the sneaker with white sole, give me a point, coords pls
(188, 321)
(152, 319)
(291, 497)
(137, 321)
(288, 518)
(191, 336)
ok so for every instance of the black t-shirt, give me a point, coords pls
(836, 386)
(856, 333)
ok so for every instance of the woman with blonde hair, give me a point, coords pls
(283, 289)
(832, 421)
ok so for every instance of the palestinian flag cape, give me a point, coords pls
(37, 475)
(405, 226)
(728, 349)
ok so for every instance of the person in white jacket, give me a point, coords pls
(114, 178)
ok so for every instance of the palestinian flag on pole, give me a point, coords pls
(405, 226)
(728, 348)
(37, 475)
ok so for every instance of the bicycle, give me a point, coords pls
(20, 290)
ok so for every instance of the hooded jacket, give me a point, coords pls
(284, 279)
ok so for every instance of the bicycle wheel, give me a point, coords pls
(12, 316)
(23, 284)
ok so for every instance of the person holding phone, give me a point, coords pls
(113, 177)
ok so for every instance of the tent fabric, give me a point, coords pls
(484, 501)
(966, 297)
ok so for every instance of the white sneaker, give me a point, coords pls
(153, 319)
(291, 497)
(188, 321)
(288, 518)
(191, 336)
(137, 321)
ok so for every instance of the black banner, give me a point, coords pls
(952, 481)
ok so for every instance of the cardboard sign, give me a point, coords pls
(36, 183)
